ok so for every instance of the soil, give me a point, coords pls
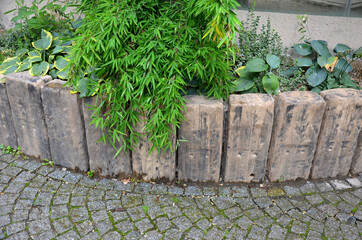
(356, 73)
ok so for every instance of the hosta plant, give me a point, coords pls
(49, 56)
(257, 76)
(324, 70)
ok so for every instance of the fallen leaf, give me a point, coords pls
(126, 181)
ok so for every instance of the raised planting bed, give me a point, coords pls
(294, 135)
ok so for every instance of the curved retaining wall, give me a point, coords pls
(295, 135)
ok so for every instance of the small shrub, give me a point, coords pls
(144, 54)
(257, 41)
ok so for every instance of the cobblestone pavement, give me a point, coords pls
(43, 202)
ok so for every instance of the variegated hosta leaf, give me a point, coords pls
(53, 73)
(63, 74)
(39, 69)
(44, 42)
(34, 53)
(25, 65)
(57, 49)
(10, 65)
(21, 52)
(61, 63)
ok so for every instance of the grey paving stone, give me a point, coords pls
(120, 186)
(44, 170)
(143, 188)
(18, 236)
(6, 209)
(39, 212)
(257, 233)
(193, 191)
(136, 213)
(131, 200)
(85, 227)
(78, 201)
(299, 227)
(20, 215)
(80, 191)
(73, 178)
(57, 174)
(284, 204)
(59, 211)
(112, 236)
(308, 188)
(91, 236)
(12, 171)
(51, 185)
(223, 202)
(173, 234)
(300, 203)
(244, 222)
(87, 182)
(29, 193)
(15, 228)
(258, 192)
(264, 222)
(350, 198)
(118, 215)
(162, 223)
(78, 214)
(65, 189)
(104, 226)
(222, 222)
(133, 235)
(313, 235)
(192, 213)
(194, 233)
(355, 182)
(277, 232)
(349, 231)
(214, 233)
(316, 226)
(155, 211)
(263, 202)
(331, 197)
(159, 189)
(182, 223)
(99, 216)
(4, 220)
(273, 211)
(314, 199)
(144, 225)
(340, 184)
(37, 227)
(106, 184)
(112, 195)
(225, 191)
(236, 234)
(125, 226)
(176, 190)
(70, 235)
(113, 204)
(203, 224)
(284, 220)
(96, 195)
(324, 186)
(233, 212)
(240, 192)
(61, 199)
(96, 205)
(61, 225)
(50, 234)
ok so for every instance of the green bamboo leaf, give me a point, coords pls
(45, 42)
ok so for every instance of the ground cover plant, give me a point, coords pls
(144, 55)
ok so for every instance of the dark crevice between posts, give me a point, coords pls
(267, 167)
(176, 154)
(225, 135)
(318, 141)
(80, 107)
(45, 122)
(11, 116)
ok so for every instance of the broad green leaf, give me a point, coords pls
(239, 70)
(10, 65)
(34, 53)
(243, 84)
(303, 62)
(317, 90)
(316, 75)
(251, 90)
(322, 61)
(56, 41)
(320, 48)
(39, 69)
(273, 61)
(61, 63)
(57, 49)
(25, 65)
(303, 49)
(331, 63)
(256, 65)
(347, 82)
(45, 42)
(63, 74)
(290, 72)
(53, 73)
(341, 48)
(358, 52)
(35, 59)
(21, 52)
(331, 82)
(342, 67)
(270, 83)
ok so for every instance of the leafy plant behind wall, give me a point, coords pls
(144, 52)
(323, 70)
(49, 56)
